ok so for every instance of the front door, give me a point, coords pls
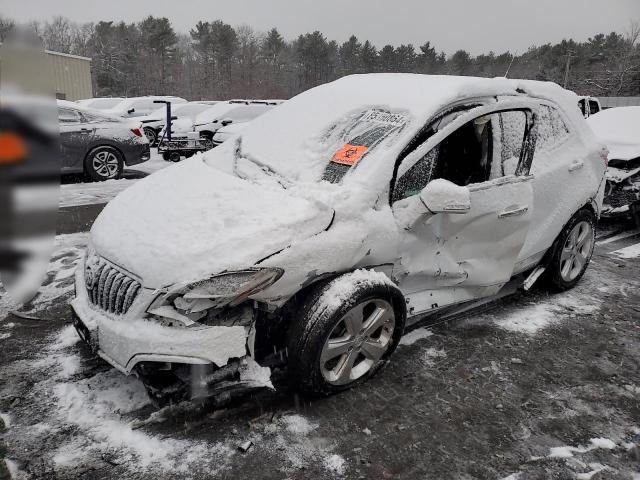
(449, 258)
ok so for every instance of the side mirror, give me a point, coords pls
(131, 110)
(443, 196)
(226, 121)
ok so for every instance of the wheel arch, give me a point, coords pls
(92, 148)
(279, 322)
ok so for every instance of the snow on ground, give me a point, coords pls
(414, 335)
(632, 251)
(74, 194)
(101, 410)
(535, 316)
(59, 279)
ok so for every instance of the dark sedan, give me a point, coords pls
(98, 145)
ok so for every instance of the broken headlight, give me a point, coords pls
(185, 305)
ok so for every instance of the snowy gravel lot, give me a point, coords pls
(538, 387)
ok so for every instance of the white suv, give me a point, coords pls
(337, 219)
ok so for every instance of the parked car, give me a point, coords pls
(98, 145)
(589, 106)
(225, 133)
(619, 129)
(100, 103)
(223, 114)
(153, 123)
(140, 106)
(336, 220)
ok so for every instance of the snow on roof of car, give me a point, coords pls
(290, 137)
(619, 128)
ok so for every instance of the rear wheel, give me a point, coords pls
(151, 135)
(103, 163)
(333, 347)
(572, 251)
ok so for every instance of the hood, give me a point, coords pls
(190, 220)
(619, 129)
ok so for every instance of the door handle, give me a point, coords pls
(513, 212)
(577, 165)
(85, 130)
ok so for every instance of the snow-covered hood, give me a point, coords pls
(190, 220)
(619, 129)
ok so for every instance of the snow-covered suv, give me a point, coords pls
(336, 220)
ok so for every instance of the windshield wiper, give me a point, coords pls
(237, 155)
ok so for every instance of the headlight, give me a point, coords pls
(190, 302)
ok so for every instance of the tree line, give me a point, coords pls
(218, 61)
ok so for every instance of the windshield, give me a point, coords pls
(342, 146)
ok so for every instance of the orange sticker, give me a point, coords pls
(349, 154)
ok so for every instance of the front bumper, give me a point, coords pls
(126, 340)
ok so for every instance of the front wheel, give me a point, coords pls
(333, 345)
(572, 251)
(103, 163)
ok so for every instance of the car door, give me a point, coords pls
(75, 136)
(561, 170)
(450, 258)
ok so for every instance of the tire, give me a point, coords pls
(206, 140)
(103, 163)
(312, 365)
(571, 252)
(151, 135)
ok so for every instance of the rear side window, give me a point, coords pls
(67, 115)
(551, 128)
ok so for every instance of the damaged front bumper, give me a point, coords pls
(622, 193)
(129, 339)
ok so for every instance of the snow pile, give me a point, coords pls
(74, 194)
(414, 335)
(619, 128)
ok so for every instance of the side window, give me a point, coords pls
(593, 107)
(582, 104)
(551, 128)
(67, 116)
(508, 137)
(483, 149)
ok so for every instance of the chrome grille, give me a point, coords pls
(109, 288)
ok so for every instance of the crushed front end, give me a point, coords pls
(622, 194)
(192, 341)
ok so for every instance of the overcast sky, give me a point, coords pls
(475, 25)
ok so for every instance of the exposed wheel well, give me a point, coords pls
(271, 329)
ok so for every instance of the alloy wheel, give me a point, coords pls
(357, 342)
(105, 164)
(576, 251)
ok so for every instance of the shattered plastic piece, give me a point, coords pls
(245, 446)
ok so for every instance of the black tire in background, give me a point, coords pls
(103, 163)
(565, 250)
(152, 135)
(314, 327)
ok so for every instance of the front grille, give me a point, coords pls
(109, 288)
